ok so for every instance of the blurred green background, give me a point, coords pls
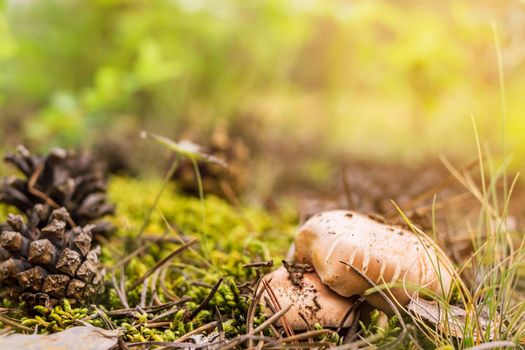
(302, 82)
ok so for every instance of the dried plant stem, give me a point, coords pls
(162, 262)
(206, 301)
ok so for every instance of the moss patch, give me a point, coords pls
(184, 286)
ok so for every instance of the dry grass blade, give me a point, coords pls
(159, 324)
(165, 345)
(120, 294)
(268, 263)
(252, 308)
(180, 237)
(220, 325)
(201, 329)
(493, 345)
(206, 301)
(149, 309)
(186, 149)
(303, 345)
(242, 338)
(127, 258)
(165, 314)
(451, 319)
(347, 188)
(277, 306)
(162, 281)
(14, 324)
(436, 205)
(143, 293)
(389, 301)
(305, 335)
(351, 309)
(362, 342)
(162, 262)
(165, 182)
(428, 193)
(31, 187)
(275, 317)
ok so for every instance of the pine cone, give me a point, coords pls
(214, 178)
(59, 179)
(47, 258)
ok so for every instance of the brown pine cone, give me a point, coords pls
(59, 179)
(48, 258)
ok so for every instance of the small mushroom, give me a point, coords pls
(308, 298)
(331, 241)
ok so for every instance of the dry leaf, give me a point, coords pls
(450, 321)
(78, 338)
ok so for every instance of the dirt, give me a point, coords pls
(296, 272)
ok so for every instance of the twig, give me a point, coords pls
(165, 181)
(120, 295)
(268, 263)
(122, 344)
(149, 309)
(494, 344)
(240, 339)
(165, 314)
(275, 302)
(379, 291)
(303, 345)
(157, 324)
(181, 237)
(154, 298)
(15, 324)
(31, 187)
(305, 335)
(162, 282)
(347, 188)
(440, 185)
(220, 327)
(349, 312)
(123, 285)
(201, 329)
(162, 262)
(271, 320)
(143, 293)
(352, 332)
(252, 308)
(358, 343)
(128, 257)
(206, 301)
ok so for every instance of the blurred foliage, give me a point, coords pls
(369, 78)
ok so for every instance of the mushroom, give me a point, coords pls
(333, 241)
(308, 297)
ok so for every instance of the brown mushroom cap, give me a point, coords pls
(384, 253)
(315, 301)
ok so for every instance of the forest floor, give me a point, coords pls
(183, 271)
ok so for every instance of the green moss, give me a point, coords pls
(234, 236)
(228, 228)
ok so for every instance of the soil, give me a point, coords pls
(296, 272)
